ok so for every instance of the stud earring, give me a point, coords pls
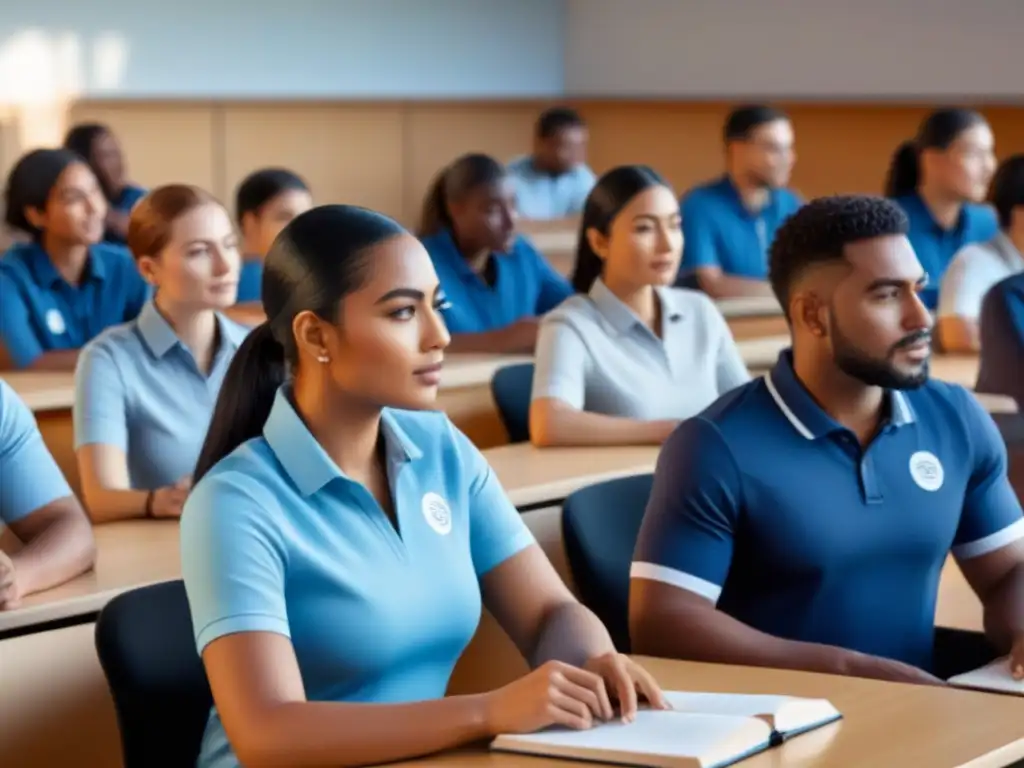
(323, 358)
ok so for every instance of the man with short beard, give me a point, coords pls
(803, 520)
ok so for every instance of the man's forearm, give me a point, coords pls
(1004, 610)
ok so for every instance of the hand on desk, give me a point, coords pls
(1017, 658)
(10, 594)
(561, 694)
(169, 501)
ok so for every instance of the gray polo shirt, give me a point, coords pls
(595, 354)
(138, 388)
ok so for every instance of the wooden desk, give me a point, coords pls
(884, 724)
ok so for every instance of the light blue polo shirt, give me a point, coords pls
(541, 195)
(250, 280)
(526, 286)
(935, 247)
(595, 354)
(276, 539)
(1002, 340)
(767, 506)
(138, 388)
(720, 231)
(29, 477)
(41, 312)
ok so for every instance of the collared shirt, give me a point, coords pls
(138, 388)
(973, 271)
(1002, 340)
(526, 286)
(41, 312)
(595, 354)
(772, 509)
(29, 477)
(277, 539)
(250, 280)
(935, 246)
(130, 195)
(720, 231)
(541, 195)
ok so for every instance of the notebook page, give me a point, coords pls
(783, 712)
(652, 733)
(992, 677)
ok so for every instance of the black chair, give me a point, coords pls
(600, 524)
(162, 698)
(511, 387)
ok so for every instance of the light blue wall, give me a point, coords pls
(279, 48)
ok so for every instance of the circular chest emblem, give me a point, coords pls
(437, 513)
(55, 322)
(926, 469)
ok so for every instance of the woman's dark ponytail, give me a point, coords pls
(588, 265)
(937, 131)
(246, 396)
(434, 216)
(904, 173)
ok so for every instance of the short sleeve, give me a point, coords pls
(16, 332)
(553, 287)
(730, 370)
(698, 236)
(100, 414)
(496, 529)
(561, 361)
(29, 477)
(991, 516)
(686, 539)
(232, 560)
(969, 277)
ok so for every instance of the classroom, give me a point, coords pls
(477, 383)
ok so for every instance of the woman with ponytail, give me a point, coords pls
(496, 280)
(629, 357)
(342, 536)
(939, 179)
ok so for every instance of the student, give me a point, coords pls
(628, 357)
(265, 202)
(730, 222)
(979, 266)
(496, 281)
(1002, 340)
(333, 543)
(144, 391)
(804, 519)
(61, 289)
(553, 182)
(37, 505)
(938, 178)
(98, 146)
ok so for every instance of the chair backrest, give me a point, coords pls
(600, 524)
(147, 650)
(511, 387)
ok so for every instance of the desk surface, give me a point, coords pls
(884, 724)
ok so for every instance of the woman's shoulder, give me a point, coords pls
(574, 310)
(250, 472)
(114, 342)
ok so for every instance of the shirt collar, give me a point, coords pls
(305, 461)
(454, 258)
(621, 317)
(805, 415)
(918, 205)
(46, 274)
(160, 337)
(729, 186)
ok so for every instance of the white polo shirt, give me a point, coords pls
(974, 270)
(595, 354)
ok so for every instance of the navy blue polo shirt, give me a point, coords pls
(768, 507)
(720, 231)
(935, 247)
(525, 286)
(41, 312)
(1002, 339)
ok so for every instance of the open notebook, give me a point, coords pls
(992, 677)
(703, 730)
